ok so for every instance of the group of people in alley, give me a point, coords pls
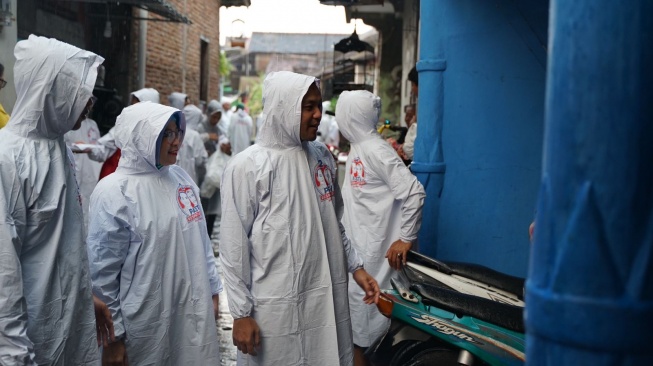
(124, 272)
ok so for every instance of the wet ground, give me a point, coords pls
(225, 322)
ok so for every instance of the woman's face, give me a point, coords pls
(170, 144)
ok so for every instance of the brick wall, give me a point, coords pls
(165, 51)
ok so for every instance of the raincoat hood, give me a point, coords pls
(358, 114)
(177, 100)
(282, 101)
(214, 107)
(194, 116)
(147, 95)
(137, 130)
(54, 82)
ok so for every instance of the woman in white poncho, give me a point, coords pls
(150, 257)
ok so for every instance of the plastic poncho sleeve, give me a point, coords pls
(200, 154)
(405, 188)
(238, 196)
(354, 261)
(409, 141)
(110, 236)
(105, 148)
(15, 347)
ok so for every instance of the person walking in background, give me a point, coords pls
(284, 254)
(4, 117)
(383, 208)
(240, 130)
(178, 100)
(150, 256)
(192, 154)
(212, 127)
(210, 189)
(408, 148)
(46, 307)
(106, 150)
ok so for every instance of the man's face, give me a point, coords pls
(134, 100)
(84, 114)
(169, 144)
(311, 114)
(410, 113)
(215, 118)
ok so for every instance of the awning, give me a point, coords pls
(160, 7)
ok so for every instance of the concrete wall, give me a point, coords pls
(492, 129)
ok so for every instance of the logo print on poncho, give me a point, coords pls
(357, 173)
(188, 203)
(323, 179)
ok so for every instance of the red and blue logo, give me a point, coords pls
(323, 178)
(357, 173)
(188, 203)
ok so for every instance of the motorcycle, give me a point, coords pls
(450, 314)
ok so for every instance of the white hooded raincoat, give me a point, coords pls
(151, 258)
(284, 253)
(240, 131)
(192, 154)
(46, 308)
(383, 203)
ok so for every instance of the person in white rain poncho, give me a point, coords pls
(284, 254)
(192, 154)
(46, 308)
(151, 259)
(178, 100)
(383, 204)
(213, 126)
(240, 130)
(106, 150)
(210, 189)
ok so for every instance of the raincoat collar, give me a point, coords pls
(137, 130)
(282, 104)
(54, 82)
(357, 114)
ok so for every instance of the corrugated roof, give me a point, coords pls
(293, 42)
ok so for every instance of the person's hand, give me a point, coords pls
(213, 136)
(216, 306)
(115, 354)
(246, 335)
(397, 254)
(103, 323)
(368, 284)
(401, 153)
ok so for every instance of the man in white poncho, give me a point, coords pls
(46, 308)
(284, 254)
(150, 256)
(383, 206)
(240, 130)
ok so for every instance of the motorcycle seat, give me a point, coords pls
(503, 315)
(502, 281)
